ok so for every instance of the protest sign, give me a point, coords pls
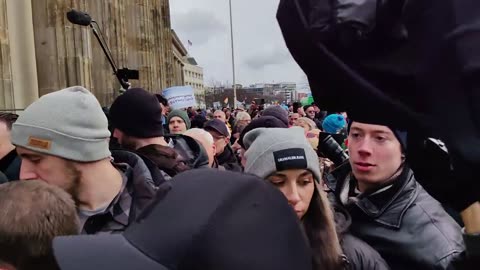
(180, 97)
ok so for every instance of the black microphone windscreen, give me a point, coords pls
(79, 17)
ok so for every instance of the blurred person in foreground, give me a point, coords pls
(228, 221)
(33, 213)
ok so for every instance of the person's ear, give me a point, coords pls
(118, 134)
(214, 147)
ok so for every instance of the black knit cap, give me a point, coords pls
(137, 113)
(401, 135)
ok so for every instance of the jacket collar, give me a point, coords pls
(165, 158)
(227, 156)
(140, 179)
(387, 204)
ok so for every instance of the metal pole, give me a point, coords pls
(122, 82)
(233, 58)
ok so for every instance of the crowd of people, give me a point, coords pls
(141, 186)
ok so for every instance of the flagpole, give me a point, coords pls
(233, 58)
(189, 45)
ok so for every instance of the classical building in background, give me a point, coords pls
(41, 51)
(193, 75)
(179, 54)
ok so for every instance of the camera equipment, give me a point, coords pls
(84, 19)
(329, 148)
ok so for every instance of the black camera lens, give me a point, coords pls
(329, 148)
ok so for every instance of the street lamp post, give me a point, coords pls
(233, 58)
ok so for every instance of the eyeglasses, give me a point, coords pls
(311, 111)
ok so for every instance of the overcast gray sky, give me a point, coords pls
(260, 52)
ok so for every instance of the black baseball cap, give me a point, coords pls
(218, 126)
(209, 219)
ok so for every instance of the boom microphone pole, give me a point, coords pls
(84, 19)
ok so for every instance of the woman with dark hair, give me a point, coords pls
(285, 158)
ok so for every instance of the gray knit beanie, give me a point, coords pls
(68, 123)
(277, 149)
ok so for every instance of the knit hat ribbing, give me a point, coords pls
(182, 114)
(137, 113)
(277, 149)
(399, 134)
(68, 123)
(333, 123)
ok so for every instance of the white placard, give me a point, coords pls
(180, 97)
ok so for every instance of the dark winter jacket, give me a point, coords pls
(403, 223)
(166, 158)
(228, 160)
(3, 178)
(215, 165)
(231, 121)
(140, 189)
(318, 123)
(10, 165)
(398, 63)
(472, 244)
(189, 150)
(359, 255)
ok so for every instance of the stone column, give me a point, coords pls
(22, 52)
(6, 86)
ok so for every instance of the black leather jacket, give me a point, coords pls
(359, 255)
(403, 223)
